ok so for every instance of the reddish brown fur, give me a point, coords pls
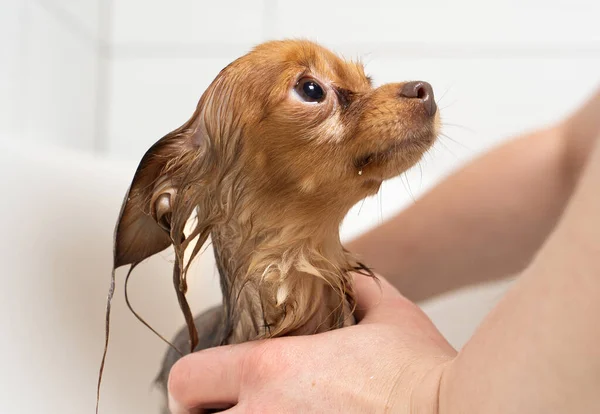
(271, 177)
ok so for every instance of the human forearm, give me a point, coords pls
(481, 223)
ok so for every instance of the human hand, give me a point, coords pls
(391, 361)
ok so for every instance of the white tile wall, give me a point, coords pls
(59, 91)
(440, 22)
(51, 72)
(116, 75)
(11, 39)
(157, 22)
(163, 53)
(80, 16)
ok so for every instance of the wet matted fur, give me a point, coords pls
(282, 144)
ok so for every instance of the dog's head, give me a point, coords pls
(289, 124)
(318, 127)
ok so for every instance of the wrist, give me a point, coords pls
(425, 393)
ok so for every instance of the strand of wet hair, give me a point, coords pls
(111, 292)
(180, 289)
(143, 321)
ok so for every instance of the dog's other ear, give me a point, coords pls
(143, 227)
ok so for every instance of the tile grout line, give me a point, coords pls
(67, 21)
(104, 57)
(24, 25)
(389, 50)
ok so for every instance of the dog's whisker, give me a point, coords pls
(443, 95)
(379, 202)
(448, 106)
(446, 136)
(362, 203)
(412, 194)
(459, 126)
(445, 147)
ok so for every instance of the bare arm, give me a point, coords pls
(537, 352)
(488, 219)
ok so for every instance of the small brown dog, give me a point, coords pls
(282, 144)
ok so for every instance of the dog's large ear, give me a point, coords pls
(143, 227)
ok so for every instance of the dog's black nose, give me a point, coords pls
(422, 91)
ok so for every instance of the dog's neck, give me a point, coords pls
(282, 275)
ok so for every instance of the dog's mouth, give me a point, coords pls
(409, 146)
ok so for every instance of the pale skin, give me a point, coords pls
(536, 352)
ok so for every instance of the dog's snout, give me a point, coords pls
(422, 91)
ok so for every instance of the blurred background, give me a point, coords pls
(86, 86)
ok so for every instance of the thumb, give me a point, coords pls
(377, 301)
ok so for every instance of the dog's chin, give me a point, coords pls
(394, 158)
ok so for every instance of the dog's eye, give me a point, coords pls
(309, 90)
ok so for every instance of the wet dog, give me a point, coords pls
(282, 144)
